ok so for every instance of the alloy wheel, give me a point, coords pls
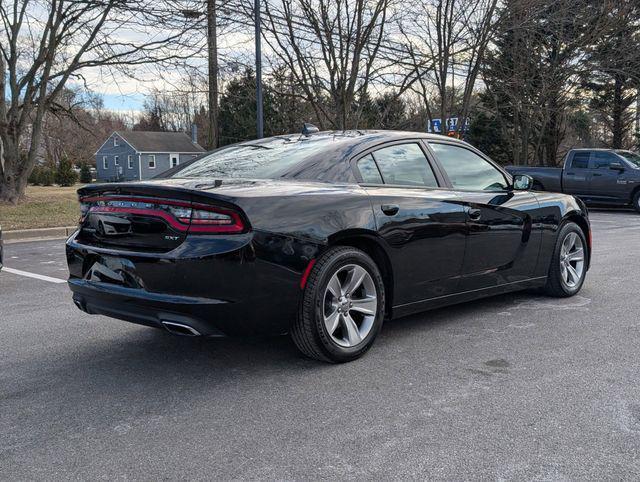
(572, 260)
(350, 305)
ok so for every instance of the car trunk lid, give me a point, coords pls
(150, 217)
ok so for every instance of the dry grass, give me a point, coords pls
(44, 207)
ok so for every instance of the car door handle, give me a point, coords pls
(595, 174)
(390, 209)
(475, 214)
(569, 173)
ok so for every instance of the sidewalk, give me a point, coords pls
(37, 234)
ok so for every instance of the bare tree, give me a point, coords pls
(46, 44)
(448, 40)
(330, 47)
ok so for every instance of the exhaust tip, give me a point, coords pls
(180, 329)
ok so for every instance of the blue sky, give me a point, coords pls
(125, 102)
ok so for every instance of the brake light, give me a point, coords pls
(180, 215)
(208, 219)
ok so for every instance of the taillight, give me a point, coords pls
(180, 215)
(208, 219)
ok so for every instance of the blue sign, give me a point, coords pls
(435, 125)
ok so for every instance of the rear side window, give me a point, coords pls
(369, 170)
(467, 170)
(405, 164)
(580, 160)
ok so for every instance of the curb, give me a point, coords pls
(33, 234)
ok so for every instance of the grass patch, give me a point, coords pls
(43, 207)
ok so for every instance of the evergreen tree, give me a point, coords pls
(65, 175)
(612, 74)
(85, 173)
(237, 111)
(531, 74)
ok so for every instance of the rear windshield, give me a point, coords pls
(265, 160)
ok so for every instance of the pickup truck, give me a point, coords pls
(597, 176)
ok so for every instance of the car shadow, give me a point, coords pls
(617, 210)
(143, 370)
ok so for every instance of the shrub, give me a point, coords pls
(42, 176)
(65, 175)
(34, 177)
(47, 176)
(85, 173)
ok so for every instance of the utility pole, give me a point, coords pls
(212, 62)
(212, 50)
(259, 108)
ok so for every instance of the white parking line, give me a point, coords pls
(33, 275)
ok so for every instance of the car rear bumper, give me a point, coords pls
(150, 309)
(211, 288)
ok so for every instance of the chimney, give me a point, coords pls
(194, 133)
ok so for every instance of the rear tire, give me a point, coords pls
(636, 202)
(569, 262)
(342, 307)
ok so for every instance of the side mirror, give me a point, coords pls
(522, 182)
(616, 166)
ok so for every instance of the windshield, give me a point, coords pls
(264, 160)
(632, 157)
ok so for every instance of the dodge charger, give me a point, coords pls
(322, 236)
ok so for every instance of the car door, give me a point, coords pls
(607, 184)
(577, 174)
(501, 243)
(421, 222)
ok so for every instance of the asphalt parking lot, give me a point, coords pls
(509, 388)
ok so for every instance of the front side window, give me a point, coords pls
(467, 170)
(369, 170)
(405, 164)
(580, 160)
(603, 160)
(632, 157)
(152, 161)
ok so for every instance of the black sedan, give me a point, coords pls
(321, 236)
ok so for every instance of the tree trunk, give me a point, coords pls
(212, 47)
(551, 129)
(617, 128)
(13, 179)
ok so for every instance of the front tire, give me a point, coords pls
(636, 202)
(569, 262)
(342, 307)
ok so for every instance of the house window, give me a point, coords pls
(116, 160)
(175, 160)
(105, 163)
(130, 161)
(116, 142)
(152, 161)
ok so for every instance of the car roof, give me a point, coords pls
(605, 149)
(356, 138)
(326, 163)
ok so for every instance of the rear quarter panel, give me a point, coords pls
(291, 224)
